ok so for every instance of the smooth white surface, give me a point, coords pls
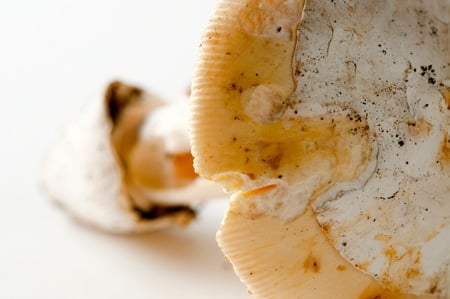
(54, 55)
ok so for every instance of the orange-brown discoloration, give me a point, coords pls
(374, 292)
(184, 166)
(382, 237)
(364, 266)
(419, 128)
(326, 227)
(259, 191)
(270, 154)
(445, 151)
(150, 167)
(312, 264)
(341, 268)
(412, 273)
(258, 15)
(446, 95)
(390, 253)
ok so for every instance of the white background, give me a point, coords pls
(54, 55)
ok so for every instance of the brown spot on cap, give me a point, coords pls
(326, 227)
(311, 264)
(419, 128)
(390, 253)
(341, 268)
(370, 293)
(445, 153)
(412, 273)
(446, 95)
(270, 154)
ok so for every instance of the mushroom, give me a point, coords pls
(334, 129)
(125, 164)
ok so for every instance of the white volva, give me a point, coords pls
(126, 168)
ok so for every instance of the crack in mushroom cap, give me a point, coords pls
(346, 126)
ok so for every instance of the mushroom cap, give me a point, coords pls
(334, 139)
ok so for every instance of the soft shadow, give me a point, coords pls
(193, 246)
